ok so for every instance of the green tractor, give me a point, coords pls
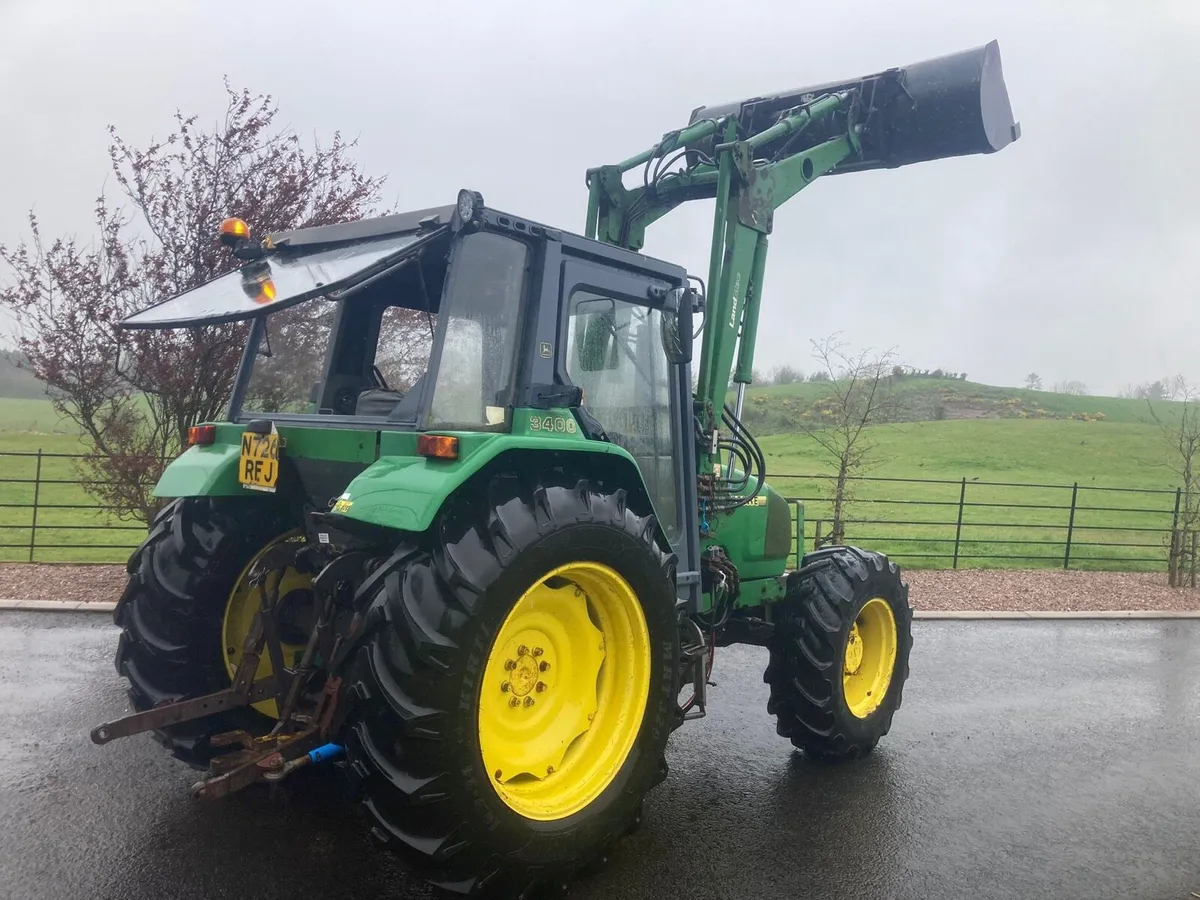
(472, 530)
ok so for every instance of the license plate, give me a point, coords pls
(258, 467)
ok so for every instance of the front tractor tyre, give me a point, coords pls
(186, 609)
(839, 653)
(516, 694)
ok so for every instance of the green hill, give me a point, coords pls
(16, 381)
(782, 409)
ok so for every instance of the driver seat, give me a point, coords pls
(377, 402)
(395, 406)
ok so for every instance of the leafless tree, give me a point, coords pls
(1180, 425)
(67, 296)
(786, 375)
(859, 393)
(1071, 388)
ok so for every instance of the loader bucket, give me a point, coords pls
(954, 105)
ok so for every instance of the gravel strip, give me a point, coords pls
(1045, 589)
(31, 581)
(963, 589)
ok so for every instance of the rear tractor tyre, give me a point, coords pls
(839, 654)
(516, 694)
(185, 611)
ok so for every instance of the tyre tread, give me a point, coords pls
(804, 670)
(419, 806)
(171, 609)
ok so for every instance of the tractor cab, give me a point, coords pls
(459, 320)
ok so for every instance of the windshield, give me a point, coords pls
(479, 318)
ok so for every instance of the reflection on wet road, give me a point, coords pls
(1030, 759)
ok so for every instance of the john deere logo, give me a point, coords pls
(556, 424)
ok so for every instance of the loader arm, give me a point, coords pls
(753, 156)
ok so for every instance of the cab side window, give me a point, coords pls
(614, 352)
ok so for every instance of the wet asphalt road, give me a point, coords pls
(1031, 759)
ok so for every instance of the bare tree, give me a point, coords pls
(67, 297)
(1180, 425)
(859, 394)
(1071, 388)
(786, 375)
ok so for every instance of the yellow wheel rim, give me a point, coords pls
(240, 608)
(870, 658)
(564, 691)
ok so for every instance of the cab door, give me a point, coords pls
(611, 340)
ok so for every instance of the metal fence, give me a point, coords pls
(47, 515)
(947, 524)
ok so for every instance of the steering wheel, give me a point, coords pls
(377, 377)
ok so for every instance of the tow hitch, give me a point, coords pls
(307, 719)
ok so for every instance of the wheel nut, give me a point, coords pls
(549, 770)
(522, 650)
(541, 686)
(528, 701)
(510, 664)
(514, 702)
(537, 651)
(544, 666)
(506, 687)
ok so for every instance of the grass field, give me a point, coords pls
(33, 418)
(1119, 452)
(959, 429)
(1106, 459)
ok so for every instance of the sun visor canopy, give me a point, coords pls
(277, 281)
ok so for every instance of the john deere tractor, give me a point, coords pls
(473, 528)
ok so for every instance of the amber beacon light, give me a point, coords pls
(232, 231)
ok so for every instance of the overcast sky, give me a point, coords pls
(1074, 252)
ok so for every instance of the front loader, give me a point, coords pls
(469, 530)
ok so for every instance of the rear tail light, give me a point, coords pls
(437, 446)
(201, 435)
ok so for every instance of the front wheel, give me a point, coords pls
(839, 653)
(515, 700)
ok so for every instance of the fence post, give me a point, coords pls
(817, 536)
(799, 530)
(1175, 551)
(962, 496)
(1195, 547)
(1071, 526)
(37, 491)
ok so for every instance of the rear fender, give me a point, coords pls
(202, 472)
(407, 492)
